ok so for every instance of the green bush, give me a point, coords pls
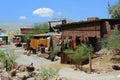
(113, 41)
(2, 56)
(27, 37)
(48, 73)
(56, 50)
(41, 28)
(7, 57)
(79, 54)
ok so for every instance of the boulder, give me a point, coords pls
(116, 67)
(22, 75)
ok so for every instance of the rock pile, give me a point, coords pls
(23, 72)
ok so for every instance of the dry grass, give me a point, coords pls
(103, 63)
(53, 64)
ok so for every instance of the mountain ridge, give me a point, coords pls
(14, 26)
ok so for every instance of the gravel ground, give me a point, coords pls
(66, 72)
(27, 60)
(79, 75)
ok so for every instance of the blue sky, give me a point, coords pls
(46, 10)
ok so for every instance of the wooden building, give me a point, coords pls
(90, 31)
(26, 30)
(19, 37)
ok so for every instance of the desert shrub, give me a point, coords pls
(7, 57)
(27, 37)
(48, 73)
(112, 42)
(56, 50)
(2, 56)
(40, 28)
(80, 54)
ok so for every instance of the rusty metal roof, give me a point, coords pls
(84, 22)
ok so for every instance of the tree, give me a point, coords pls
(40, 28)
(113, 41)
(114, 10)
(27, 37)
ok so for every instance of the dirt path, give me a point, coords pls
(66, 72)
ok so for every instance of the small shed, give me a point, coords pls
(4, 38)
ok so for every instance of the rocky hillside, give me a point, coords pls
(14, 26)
